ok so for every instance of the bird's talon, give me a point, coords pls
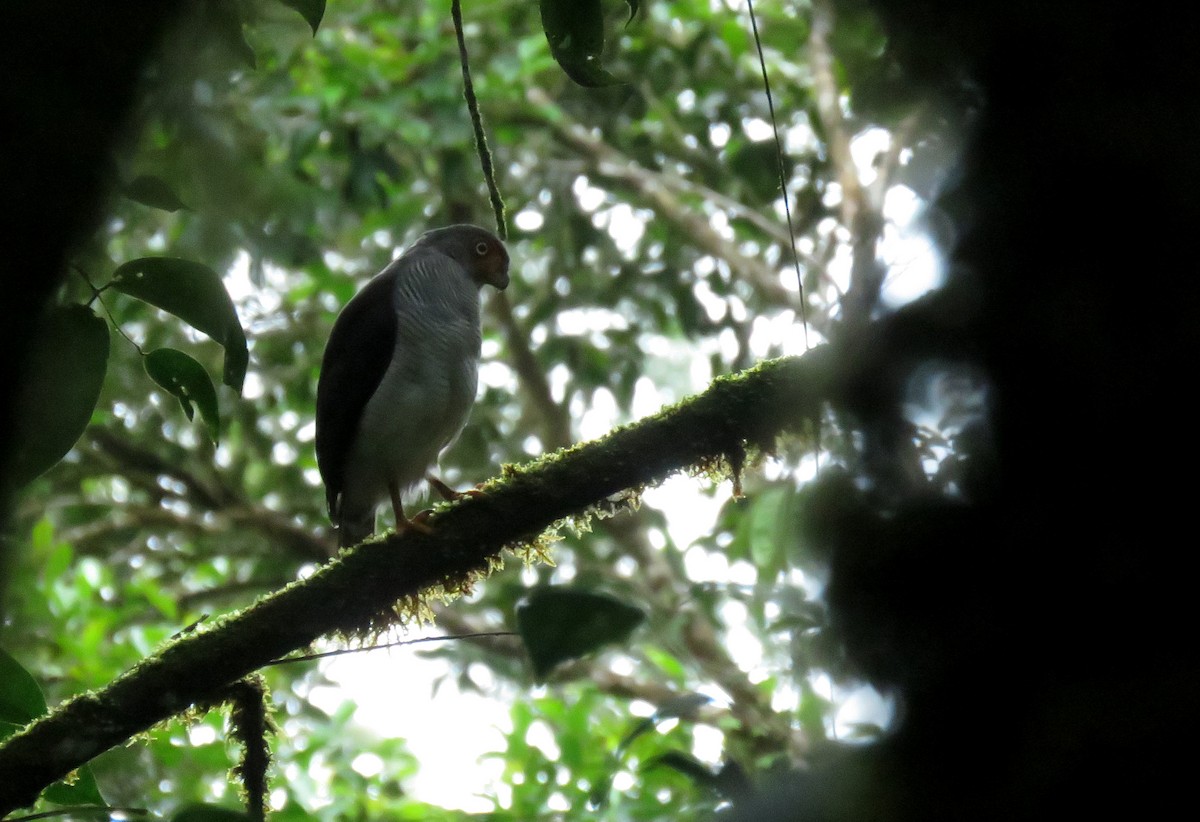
(449, 494)
(416, 523)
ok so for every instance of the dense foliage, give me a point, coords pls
(651, 254)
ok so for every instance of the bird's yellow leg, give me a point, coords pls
(403, 523)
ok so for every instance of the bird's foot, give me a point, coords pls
(416, 523)
(403, 523)
(449, 494)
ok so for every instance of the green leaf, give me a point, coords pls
(81, 789)
(558, 624)
(768, 525)
(153, 192)
(310, 10)
(667, 663)
(63, 377)
(195, 294)
(209, 813)
(575, 31)
(186, 380)
(21, 699)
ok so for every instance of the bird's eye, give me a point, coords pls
(481, 249)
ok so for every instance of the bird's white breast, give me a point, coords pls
(425, 395)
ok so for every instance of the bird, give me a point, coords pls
(399, 374)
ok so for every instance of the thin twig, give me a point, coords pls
(787, 208)
(96, 296)
(481, 146)
(397, 644)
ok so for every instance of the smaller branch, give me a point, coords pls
(829, 109)
(192, 601)
(665, 115)
(616, 685)
(769, 226)
(888, 452)
(556, 424)
(886, 169)
(766, 730)
(144, 460)
(296, 539)
(860, 216)
(861, 206)
(143, 466)
(98, 296)
(453, 620)
(766, 223)
(137, 518)
(611, 164)
(583, 670)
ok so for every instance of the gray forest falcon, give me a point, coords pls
(399, 374)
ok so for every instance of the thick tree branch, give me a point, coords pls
(356, 593)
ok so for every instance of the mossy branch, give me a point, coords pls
(356, 594)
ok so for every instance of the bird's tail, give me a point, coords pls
(353, 531)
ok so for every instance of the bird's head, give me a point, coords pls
(476, 249)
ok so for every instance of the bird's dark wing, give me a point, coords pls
(356, 358)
